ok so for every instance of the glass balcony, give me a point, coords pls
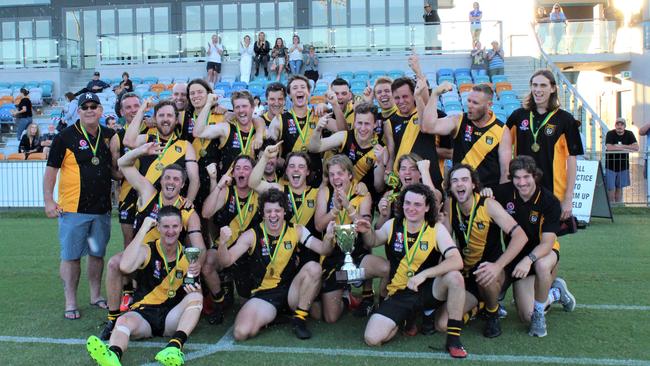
(584, 37)
(39, 52)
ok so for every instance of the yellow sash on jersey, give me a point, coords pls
(248, 216)
(349, 114)
(408, 139)
(307, 207)
(202, 144)
(284, 252)
(484, 145)
(363, 165)
(299, 145)
(174, 153)
(159, 295)
(473, 250)
(427, 245)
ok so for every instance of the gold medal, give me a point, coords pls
(535, 147)
(374, 141)
(203, 153)
(271, 272)
(303, 148)
(95, 160)
(409, 274)
(171, 293)
(160, 166)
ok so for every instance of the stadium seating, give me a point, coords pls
(482, 79)
(5, 85)
(508, 108)
(36, 156)
(16, 156)
(150, 80)
(499, 78)
(362, 75)
(238, 86)
(165, 95)
(502, 85)
(347, 75)
(394, 74)
(447, 78)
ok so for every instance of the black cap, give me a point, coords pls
(88, 97)
(96, 73)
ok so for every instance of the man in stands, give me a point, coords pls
(617, 165)
(85, 155)
(94, 86)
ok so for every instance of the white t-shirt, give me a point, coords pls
(214, 56)
(295, 54)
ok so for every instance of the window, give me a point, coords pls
(125, 19)
(108, 21)
(42, 28)
(248, 16)
(415, 11)
(8, 30)
(338, 11)
(358, 12)
(396, 11)
(71, 25)
(318, 13)
(211, 17)
(90, 31)
(267, 15)
(161, 19)
(285, 10)
(192, 17)
(377, 12)
(25, 29)
(143, 20)
(229, 16)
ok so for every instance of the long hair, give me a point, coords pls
(472, 173)
(273, 195)
(526, 163)
(429, 199)
(553, 100)
(204, 84)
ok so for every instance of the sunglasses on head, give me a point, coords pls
(86, 107)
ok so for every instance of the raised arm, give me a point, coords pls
(127, 166)
(136, 252)
(431, 123)
(256, 179)
(132, 137)
(217, 197)
(201, 127)
(227, 256)
(323, 247)
(317, 144)
(373, 238)
(323, 216)
(192, 168)
(505, 154)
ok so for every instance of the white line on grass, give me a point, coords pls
(613, 307)
(224, 344)
(77, 341)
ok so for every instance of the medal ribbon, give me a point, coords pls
(242, 147)
(389, 112)
(99, 133)
(410, 256)
(202, 140)
(160, 201)
(544, 122)
(302, 134)
(267, 242)
(239, 215)
(167, 145)
(468, 232)
(164, 257)
(343, 214)
(297, 212)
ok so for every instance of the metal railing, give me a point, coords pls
(39, 53)
(627, 169)
(581, 37)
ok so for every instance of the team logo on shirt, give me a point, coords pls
(312, 125)
(369, 161)
(468, 133)
(480, 225)
(310, 203)
(424, 245)
(352, 153)
(524, 125)
(179, 274)
(265, 249)
(235, 143)
(489, 140)
(534, 217)
(190, 126)
(510, 208)
(287, 245)
(178, 149)
(397, 128)
(291, 125)
(83, 145)
(398, 244)
(549, 130)
(156, 271)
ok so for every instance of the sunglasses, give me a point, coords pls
(86, 107)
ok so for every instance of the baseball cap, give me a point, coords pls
(621, 121)
(96, 73)
(88, 97)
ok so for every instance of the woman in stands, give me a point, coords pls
(23, 113)
(262, 49)
(279, 61)
(31, 141)
(245, 59)
(295, 55)
(558, 26)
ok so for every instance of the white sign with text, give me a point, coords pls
(583, 192)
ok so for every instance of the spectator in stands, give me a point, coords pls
(541, 21)
(30, 142)
(70, 115)
(432, 20)
(214, 52)
(23, 113)
(617, 164)
(259, 107)
(262, 49)
(125, 86)
(111, 123)
(475, 22)
(495, 60)
(246, 52)
(47, 138)
(311, 65)
(279, 58)
(558, 27)
(478, 58)
(295, 55)
(94, 86)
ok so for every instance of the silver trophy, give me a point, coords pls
(192, 255)
(346, 236)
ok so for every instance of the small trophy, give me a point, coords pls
(345, 238)
(192, 255)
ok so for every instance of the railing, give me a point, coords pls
(448, 37)
(636, 190)
(582, 37)
(39, 52)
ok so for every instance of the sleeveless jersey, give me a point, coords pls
(229, 214)
(274, 264)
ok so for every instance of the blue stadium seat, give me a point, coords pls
(508, 98)
(150, 80)
(136, 80)
(362, 75)
(320, 89)
(31, 84)
(255, 84)
(394, 74)
(445, 72)
(501, 116)
(238, 85)
(377, 73)
(444, 78)
(257, 91)
(181, 79)
(226, 103)
(358, 84)
(165, 95)
(347, 75)
(16, 85)
(5, 91)
(480, 79)
(148, 94)
(508, 108)
(462, 72)
(222, 85)
(499, 78)
(463, 79)
(5, 85)
(480, 72)
(453, 108)
(47, 90)
(449, 98)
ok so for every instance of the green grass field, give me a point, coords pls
(607, 264)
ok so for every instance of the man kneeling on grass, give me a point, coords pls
(424, 268)
(278, 283)
(163, 306)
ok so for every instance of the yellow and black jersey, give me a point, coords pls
(151, 166)
(348, 114)
(337, 255)
(151, 208)
(478, 237)
(479, 148)
(274, 259)
(237, 143)
(157, 281)
(302, 207)
(558, 137)
(380, 118)
(295, 134)
(408, 138)
(363, 159)
(84, 187)
(207, 152)
(128, 195)
(268, 119)
(408, 257)
(185, 125)
(239, 213)
(540, 214)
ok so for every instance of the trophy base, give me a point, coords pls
(190, 280)
(351, 275)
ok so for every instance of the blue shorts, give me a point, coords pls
(617, 179)
(81, 234)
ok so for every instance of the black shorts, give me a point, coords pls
(278, 297)
(511, 267)
(401, 306)
(470, 283)
(216, 66)
(127, 211)
(330, 266)
(155, 316)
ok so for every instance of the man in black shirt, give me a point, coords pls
(23, 113)
(94, 86)
(432, 20)
(617, 165)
